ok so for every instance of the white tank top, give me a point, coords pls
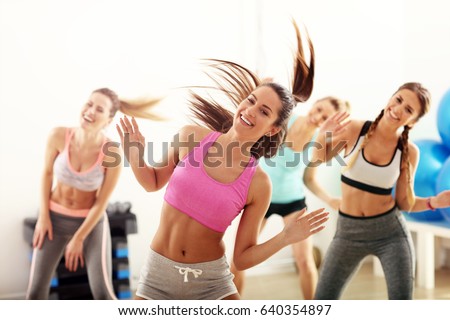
(370, 177)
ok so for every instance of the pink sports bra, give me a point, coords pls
(192, 191)
(88, 180)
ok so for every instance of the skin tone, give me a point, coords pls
(298, 136)
(84, 150)
(402, 109)
(179, 237)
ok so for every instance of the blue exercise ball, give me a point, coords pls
(442, 184)
(433, 154)
(443, 118)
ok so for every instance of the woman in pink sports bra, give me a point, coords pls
(212, 176)
(72, 217)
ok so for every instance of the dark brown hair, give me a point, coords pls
(424, 98)
(237, 83)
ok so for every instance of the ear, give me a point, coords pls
(273, 131)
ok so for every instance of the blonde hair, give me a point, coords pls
(424, 98)
(139, 108)
(338, 104)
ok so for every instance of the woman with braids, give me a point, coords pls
(290, 172)
(214, 176)
(370, 222)
(72, 217)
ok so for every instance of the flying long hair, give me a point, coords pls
(237, 83)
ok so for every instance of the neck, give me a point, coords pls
(386, 131)
(85, 137)
(236, 147)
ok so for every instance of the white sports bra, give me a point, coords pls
(368, 176)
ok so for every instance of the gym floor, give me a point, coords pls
(363, 286)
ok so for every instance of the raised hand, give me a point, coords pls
(304, 225)
(132, 141)
(335, 124)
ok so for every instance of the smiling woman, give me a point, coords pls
(379, 158)
(207, 190)
(72, 216)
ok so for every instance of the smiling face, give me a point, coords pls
(258, 113)
(95, 114)
(403, 109)
(320, 112)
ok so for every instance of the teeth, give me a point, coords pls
(393, 115)
(87, 118)
(246, 121)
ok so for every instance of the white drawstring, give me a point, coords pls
(185, 271)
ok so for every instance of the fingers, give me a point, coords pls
(72, 262)
(318, 220)
(315, 219)
(301, 213)
(135, 125)
(310, 215)
(35, 239)
(119, 131)
(130, 128)
(317, 230)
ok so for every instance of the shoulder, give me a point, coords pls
(57, 137)
(298, 121)
(354, 128)
(413, 151)
(193, 133)
(261, 184)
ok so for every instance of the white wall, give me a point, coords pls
(55, 53)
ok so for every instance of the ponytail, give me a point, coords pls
(133, 108)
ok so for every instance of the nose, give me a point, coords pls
(251, 111)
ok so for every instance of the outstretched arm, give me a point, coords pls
(44, 225)
(74, 249)
(442, 200)
(247, 252)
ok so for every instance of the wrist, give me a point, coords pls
(430, 206)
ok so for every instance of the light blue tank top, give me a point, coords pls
(285, 170)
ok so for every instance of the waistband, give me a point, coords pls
(370, 217)
(78, 213)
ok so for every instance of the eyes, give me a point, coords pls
(408, 109)
(262, 110)
(98, 108)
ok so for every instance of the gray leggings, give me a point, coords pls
(384, 236)
(96, 251)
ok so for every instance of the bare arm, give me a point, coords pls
(310, 181)
(247, 252)
(442, 200)
(133, 143)
(44, 225)
(74, 249)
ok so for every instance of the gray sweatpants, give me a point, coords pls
(384, 236)
(96, 251)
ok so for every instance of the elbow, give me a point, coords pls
(239, 266)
